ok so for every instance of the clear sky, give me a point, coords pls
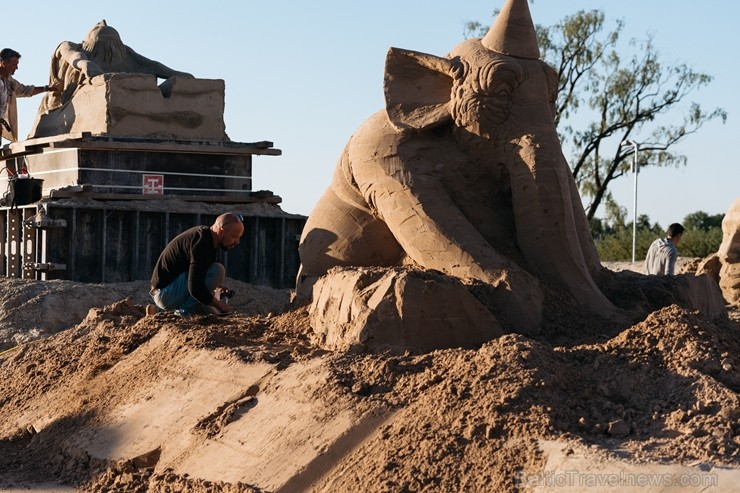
(305, 74)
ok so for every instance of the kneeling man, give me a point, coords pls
(187, 274)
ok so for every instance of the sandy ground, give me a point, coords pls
(99, 397)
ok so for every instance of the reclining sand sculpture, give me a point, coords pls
(463, 173)
(105, 87)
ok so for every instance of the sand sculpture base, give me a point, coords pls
(397, 309)
(372, 309)
(133, 105)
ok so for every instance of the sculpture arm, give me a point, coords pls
(145, 65)
(402, 188)
(74, 56)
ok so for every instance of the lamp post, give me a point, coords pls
(635, 170)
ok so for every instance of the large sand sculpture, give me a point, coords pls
(105, 87)
(462, 173)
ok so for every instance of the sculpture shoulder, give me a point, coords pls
(377, 140)
(139, 63)
(379, 128)
(67, 47)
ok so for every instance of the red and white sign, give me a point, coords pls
(153, 185)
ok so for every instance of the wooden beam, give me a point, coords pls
(261, 196)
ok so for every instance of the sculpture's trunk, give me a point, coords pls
(551, 226)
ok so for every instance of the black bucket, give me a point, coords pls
(26, 190)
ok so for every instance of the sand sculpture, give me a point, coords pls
(108, 88)
(724, 265)
(463, 173)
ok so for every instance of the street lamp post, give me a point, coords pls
(635, 170)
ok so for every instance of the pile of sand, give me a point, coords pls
(31, 310)
(121, 402)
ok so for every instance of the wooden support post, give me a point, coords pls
(15, 239)
(30, 243)
(104, 243)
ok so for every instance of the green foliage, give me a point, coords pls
(700, 242)
(615, 241)
(703, 234)
(616, 248)
(700, 220)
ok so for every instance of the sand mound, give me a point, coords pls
(123, 402)
(31, 310)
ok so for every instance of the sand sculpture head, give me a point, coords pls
(463, 173)
(103, 44)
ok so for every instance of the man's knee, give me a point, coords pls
(215, 275)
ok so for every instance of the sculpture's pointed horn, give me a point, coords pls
(512, 33)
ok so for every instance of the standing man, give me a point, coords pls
(662, 254)
(11, 89)
(187, 274)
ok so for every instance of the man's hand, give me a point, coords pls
(223, 307)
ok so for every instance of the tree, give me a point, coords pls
(701, 221)
(639, 100)
(703, 234)
(615, 241)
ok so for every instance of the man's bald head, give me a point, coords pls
(226, 219)
(227, 230)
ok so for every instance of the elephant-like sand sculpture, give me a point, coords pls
(463, 173)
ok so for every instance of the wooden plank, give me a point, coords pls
(159, 145)
(247, 198)
(166, 147)
(86, 141)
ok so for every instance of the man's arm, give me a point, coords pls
(201, 258)
(197, 280)
(198, 289)
(23, 90)
(224, 307)
(670, 265)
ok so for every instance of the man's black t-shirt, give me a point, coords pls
(191, 251)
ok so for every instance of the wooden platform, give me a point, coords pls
(109, 206)
(88, 240)
(136, 167)
(87, 192)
